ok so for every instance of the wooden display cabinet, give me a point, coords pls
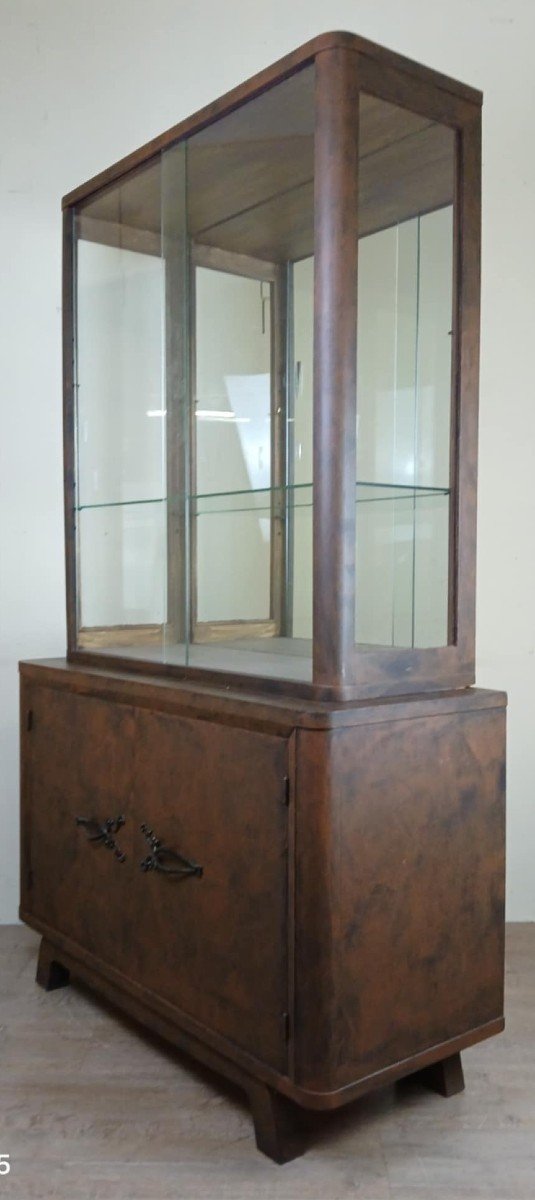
(262, 803)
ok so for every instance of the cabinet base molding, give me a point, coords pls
(277, 1107)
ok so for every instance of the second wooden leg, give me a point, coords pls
(50, 973)
(276, 1124)
(445, 1077)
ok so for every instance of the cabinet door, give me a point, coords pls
(214, 945)
(413, 817)
(77, 764)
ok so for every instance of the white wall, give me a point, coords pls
(81, 85)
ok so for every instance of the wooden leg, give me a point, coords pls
(50, 973)
(445, 1077)
(276, 1124)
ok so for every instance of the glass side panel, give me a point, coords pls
(404, 377)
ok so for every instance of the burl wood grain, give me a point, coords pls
(345, 932)
(400, 891)
(215, 946)
(78, 762)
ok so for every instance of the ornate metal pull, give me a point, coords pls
(101, 831)
(168, 861)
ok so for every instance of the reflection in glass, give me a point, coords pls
(250, 219)
(404, 377)
(121, 479)
(194, 383)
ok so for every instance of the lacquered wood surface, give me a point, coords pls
(213, 946)
(218, 790)
(400, 886)
(253, 710)
(69, 426)
(335, 366)
(79, 753)
(253, 195)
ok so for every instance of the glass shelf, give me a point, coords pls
(299, 496)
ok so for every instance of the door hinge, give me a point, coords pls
(29, 719)
(286, 1026)
(286, 793)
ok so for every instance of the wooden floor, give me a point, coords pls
(91, 1108)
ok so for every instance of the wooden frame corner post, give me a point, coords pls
(335, 344)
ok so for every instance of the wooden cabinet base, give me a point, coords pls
(279, 1122)
(308, 899)
(277, 1119)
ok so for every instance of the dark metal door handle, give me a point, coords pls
(168, 861)
(101, 831)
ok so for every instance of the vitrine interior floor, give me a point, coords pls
(278, 658)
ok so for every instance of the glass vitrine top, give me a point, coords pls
(195, 329)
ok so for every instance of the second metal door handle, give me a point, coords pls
(168, 861)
